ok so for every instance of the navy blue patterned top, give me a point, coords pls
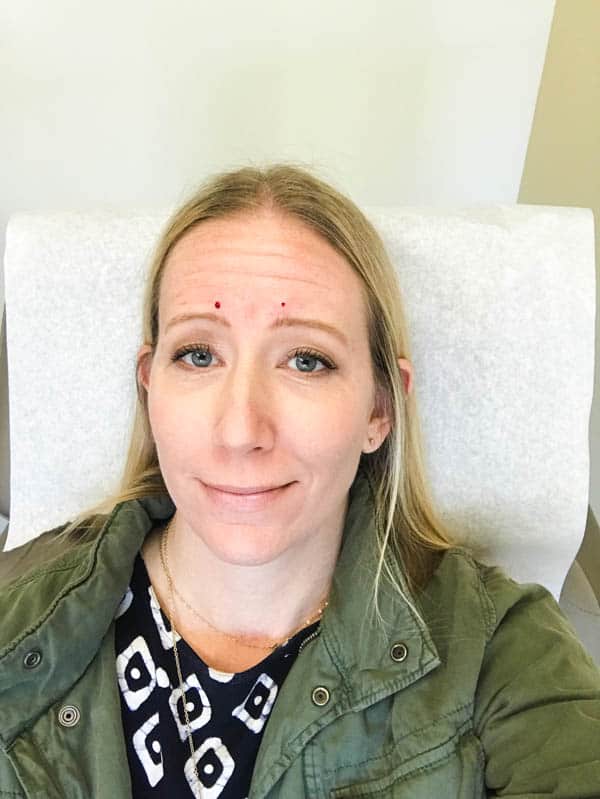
(227, 712)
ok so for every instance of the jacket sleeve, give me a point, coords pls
(537, 703)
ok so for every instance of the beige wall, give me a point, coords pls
(4, 425)
(562, 166)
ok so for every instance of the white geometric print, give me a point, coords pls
(159, 755)
(197, 704)
(215, 766)
(125, 603)
(257, 705)
(147, 749)
(220, 676)
(162, 678)
(166, 638)
(136, 672)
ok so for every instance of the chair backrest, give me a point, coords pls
(500, 304)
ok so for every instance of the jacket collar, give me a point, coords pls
(347, 619)
(66, 607)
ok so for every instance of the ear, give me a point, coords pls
(407, 374)
(380, 423)
(144, 364)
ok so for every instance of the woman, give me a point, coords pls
(270, 606)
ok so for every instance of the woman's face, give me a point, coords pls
(232, 403)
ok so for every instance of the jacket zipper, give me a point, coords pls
(311, 637)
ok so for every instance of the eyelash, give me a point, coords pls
(299, 353)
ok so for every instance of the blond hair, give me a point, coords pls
(410, 535)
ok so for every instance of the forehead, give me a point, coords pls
(256, 258)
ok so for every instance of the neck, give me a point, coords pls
(259, 603)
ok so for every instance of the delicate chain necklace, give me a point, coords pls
(164, 561)
(240, 639)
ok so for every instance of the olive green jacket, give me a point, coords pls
(494, 696)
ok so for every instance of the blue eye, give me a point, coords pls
(311, 355)
(201, 353)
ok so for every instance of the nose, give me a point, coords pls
(244, 413)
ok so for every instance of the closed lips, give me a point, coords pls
(251, 490)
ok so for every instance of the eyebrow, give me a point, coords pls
(283, 321)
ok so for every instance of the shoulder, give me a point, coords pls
(457, 595)
(461, 580)
(34, 576)
(50, 550)
(472, 606)
(536, 697)
(536, 701)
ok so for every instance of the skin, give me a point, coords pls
(251, 413)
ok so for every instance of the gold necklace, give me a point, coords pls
(164, 560)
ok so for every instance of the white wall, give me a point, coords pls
(131, 103)
(404, 101)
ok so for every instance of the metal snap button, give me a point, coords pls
(320, 695)
(32, 659)
(69, 715)
(399, 652)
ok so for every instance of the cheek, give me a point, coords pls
(331, 430)
(329, 427)
(167, 419)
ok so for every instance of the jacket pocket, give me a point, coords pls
(453, 769)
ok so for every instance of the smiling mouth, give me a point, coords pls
(245, 491)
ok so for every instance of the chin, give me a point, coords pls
(241, 548)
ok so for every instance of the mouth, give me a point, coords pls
(244, 498)
(245, 490)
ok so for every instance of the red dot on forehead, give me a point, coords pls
(218, 304)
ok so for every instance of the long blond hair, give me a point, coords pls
(410, 535)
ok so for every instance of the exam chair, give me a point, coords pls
(500, 304)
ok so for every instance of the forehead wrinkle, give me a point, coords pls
(230, 253)
(222, 243)
(315, 262)
(200, 277)
(255, 252)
